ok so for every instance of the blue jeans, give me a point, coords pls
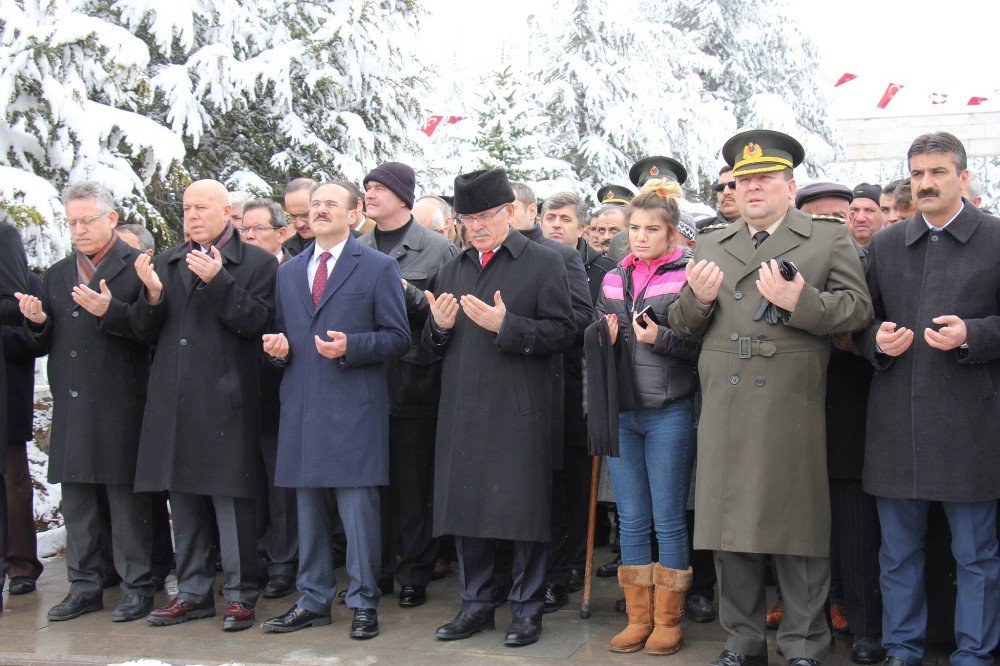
(904, 603)
(652, 476)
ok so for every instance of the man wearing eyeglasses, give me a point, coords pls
(97, 370)
(297, 207)
(494, 458)
(266, 226)
(725, 199)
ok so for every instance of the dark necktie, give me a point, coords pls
(485, 259)
(319, 280)
(759, 238)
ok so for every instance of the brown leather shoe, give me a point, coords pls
(178, 611)
(775, 614)
(238, 616)
(838, 617)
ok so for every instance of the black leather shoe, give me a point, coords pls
(802, 661)
(620, 605)
(365, 623)
(730, 658)
(279, 586)
(575, 581)
(411, 596)
(296, 618)
(700, 608)
(21, 585)
(464, 625)
(555, 598)
(609, 570)
(75, 605)
(867, 650)
(893, 661)
(132, 607)
(501, 592)
(523, 631)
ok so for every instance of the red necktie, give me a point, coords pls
(319, 280)
(485, 259)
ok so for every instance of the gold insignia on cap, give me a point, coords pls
(754, 161)
(752, 152)
(608, 196)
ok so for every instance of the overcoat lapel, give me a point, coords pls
(113, 264)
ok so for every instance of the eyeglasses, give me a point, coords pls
(319, 203)
(720, 187)
(86, 221)
(301, 216)
(257, 229)
(480, 217)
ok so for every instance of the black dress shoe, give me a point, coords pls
(365, 623)
(609, 570)
(464, 625)
(802, 661)
(132, 607)
(296, 618)
(894, 661)
(523, 631)
(279, 586)
(620, 605)
(501, 592)
(700, 608)
(412, 595)
(575, 581)
(867, 650)
(75, 605)
(730, 658)
(555, 598)
(21, 585)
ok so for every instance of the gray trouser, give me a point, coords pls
(131, 537)
(805, 582)
(193, 534)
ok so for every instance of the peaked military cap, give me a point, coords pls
(614, 195)
(761, 151)
(657, 167)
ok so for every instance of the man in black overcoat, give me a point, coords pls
(499, 310)
(98, 369)
(207, 301)
(933, 410)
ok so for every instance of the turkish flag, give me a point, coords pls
(454, 119)
(890, 92)
(939, 98)
(976, 101)
(844, 79)
(431, 125)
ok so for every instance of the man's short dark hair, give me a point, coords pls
(563, 199)
(278, 217)
(299, 184)
(725, 168)
(939, 142)
(523, 193)
(146, 242)
(904, 195)
(356, 195)
(891, 188)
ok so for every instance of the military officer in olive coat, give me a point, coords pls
(762, 480)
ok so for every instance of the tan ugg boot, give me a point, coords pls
(670, 586)
(637, 582)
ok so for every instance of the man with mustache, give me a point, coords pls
(933, 421)
(725, 199)
(865, 215)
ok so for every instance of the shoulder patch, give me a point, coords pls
(827, 218)
(713, 227)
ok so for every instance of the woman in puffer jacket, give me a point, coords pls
(652, 472)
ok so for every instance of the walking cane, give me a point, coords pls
(595, 473)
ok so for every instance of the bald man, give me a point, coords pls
(428, 215)
(207, 301)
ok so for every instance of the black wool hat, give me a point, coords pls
(761, 151)
(867, 191)
(398, 177)
(481, 190)
(814, 191)
(657, 167)
(614, 195)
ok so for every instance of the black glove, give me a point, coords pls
(767, 310)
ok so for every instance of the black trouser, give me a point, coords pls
(280, 538)
(854, 547)
(163, 546)
(411, 493)
(702, 565)
(570, 504)
(22, 545)
(3, 536)
(476, 560)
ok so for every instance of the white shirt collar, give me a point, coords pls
(933, 228)
(334, 251)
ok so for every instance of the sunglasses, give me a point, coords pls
(720, 187)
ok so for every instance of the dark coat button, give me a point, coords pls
(76, 313)
(72, 354)
(759, 381)
(734, 380)
(737, 294)
(184, 342)
(734, 336)
(73, 394)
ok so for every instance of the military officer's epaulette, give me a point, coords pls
(827, 218)
(712, 227)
